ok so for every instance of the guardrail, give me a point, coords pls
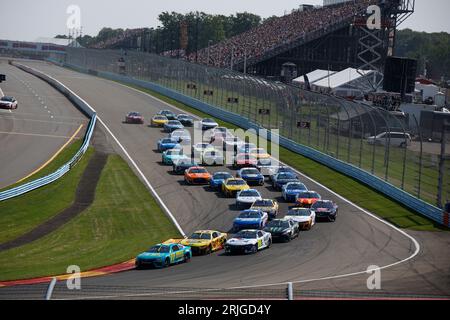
(84, 107)
(432, 212)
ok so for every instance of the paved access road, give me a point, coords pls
(33, 133)
(325, 257)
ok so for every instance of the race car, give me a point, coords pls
(250, 219)
(186, 120)
(244, 160)
(181, 165)
(199, 148)
(181, 136)
(163, 255)
(307, 198)
(205, 241)
(267, 166)
(208, 124)
(245, 147)
(325, 209)
(158, 120)
(291, 190)
(246, 198)
(218, 178)
(267, 205)
(8, 103)
(169, 114)
(166, 144)
(172, 155)
(248, 241)
(172, 125)
(232, 144)
(251, 176)
(212, 158)
(280, 179)
(259, 153)
(218, 134)
(283, 229)
(197, 175)
(273, 171)
(134, 117)
(305, 217)
(232, 186)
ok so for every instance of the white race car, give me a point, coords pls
(305, 217)
(248, 241)
(246, 198)
(8, 103)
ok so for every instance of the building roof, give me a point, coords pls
(59, 42)
(315, 75)
(341, 78)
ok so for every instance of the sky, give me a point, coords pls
(29, 19)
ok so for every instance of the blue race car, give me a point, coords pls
(279, 169)
(166, 144)
(179, 166)
(172, 125)
(218, 178)
(280, 179)
(291, 190)
(250, 219)
(173, 155)
(163, 255)
(251, 176)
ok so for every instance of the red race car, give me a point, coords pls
(307, 198)
(243, 160)
(134, 117)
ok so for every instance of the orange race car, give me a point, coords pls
(307, 198)
(197, 175)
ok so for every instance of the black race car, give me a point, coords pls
(325, 209)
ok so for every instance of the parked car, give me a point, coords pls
(397, 139)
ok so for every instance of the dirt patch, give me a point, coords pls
(84, 197)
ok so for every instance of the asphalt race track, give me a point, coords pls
(331, 256)
(30, 135)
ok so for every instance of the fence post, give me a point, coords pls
(290, 291)
(51, 286)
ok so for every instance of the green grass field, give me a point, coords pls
(351, 189)
(123, 221)
(22, 214)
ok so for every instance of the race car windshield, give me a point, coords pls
(159, 118)
(222, 176)
(245, 157)
(134, 114)
(258, 150)
(299, 213)
(263, 203)
(297, 186)
(250, 171)
(250, 214)
(286, 175)
(236, 183)
(159, 249)
(264, 162)
(323, 204)
(208, 121)
(198, 171)
(167, 141)
(308, 195)
(278, 224)
(174, 122)
(9, 99)
(203, 236)
(249, 193)
(174, 152)
(246, 235)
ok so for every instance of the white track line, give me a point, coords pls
(155, 194)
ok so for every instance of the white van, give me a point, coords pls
(398, 139)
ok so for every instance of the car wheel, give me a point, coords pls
(187, 257)
(261, 183)
(209, 250)
(167, 262)
(255, 248)
(332, 219)
(138, 265)
(269, 243)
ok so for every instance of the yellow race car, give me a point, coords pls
(266, 205)
(232, 186)
(203, 241)
(158, 120)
